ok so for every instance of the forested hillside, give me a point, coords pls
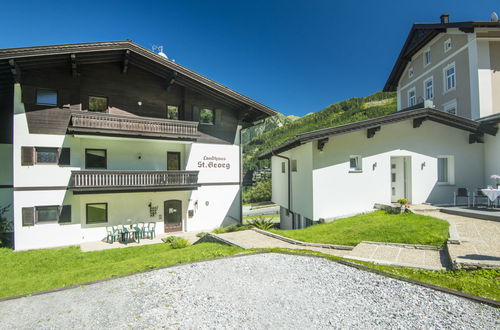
(274, 132)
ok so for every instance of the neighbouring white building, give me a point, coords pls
(98, 134)
(442, 137)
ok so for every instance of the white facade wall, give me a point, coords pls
(215, 203)
(491, 158)
(338, 192)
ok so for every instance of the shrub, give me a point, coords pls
(402, 201)
(219, 230)
(261, 223)
(230, 229)
(201, 234)
(260, 192)
(176, 242)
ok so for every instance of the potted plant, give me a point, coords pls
(403, 202)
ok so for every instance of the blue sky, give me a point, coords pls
(294, 56)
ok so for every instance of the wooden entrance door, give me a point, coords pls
(173, 215)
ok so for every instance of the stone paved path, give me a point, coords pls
(479, 240)
(401, 255)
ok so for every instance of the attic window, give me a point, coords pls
(427, 57)
(447, 45)
(46, 96)
(410, 73)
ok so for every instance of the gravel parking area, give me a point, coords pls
(254, 292)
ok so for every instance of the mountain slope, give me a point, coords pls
(344, 112)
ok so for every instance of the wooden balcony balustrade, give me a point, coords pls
(132, 180)
(85, 122)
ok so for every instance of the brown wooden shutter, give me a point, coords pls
(196, 113)
(28, 216)
(218, 117)
(64, 96)
(64, 156)
(28, 94)
(65, 214)
(27, 156)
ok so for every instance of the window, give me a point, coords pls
(98, 103)
(412, 97)
(355, 163)
(447, 45)
(449, 77)
(46, 96)
(95, 158)
(410, 73)
(429, 89)
(445, 168)
(47, 214)
(427, 57)
(97, 213)
(172, 112)
(450, 107)
(47, 155)
(294, 165)
(207, 116)
(173, 161)
(283, 167)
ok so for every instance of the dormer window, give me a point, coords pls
(427, 57)
(98, 103)
(410, 73)
(447, 45)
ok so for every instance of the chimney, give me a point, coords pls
(445, 18)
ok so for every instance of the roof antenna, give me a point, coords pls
(159, 49)
(494, 17)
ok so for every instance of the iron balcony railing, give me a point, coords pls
(110, 179)
(82, 121)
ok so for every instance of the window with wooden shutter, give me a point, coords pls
(28, 215)
(65, 214)
(218, 116)
(27, 156)
(64, 156)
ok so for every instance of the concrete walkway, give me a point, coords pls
(478, 241)
(381, 253)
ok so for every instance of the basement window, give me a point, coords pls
(46, 214)
(46, 96)
(355, 163)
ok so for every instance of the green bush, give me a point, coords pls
(230, 229)
(201, 234)
(176, 242)
(261, 223)
(260, 192)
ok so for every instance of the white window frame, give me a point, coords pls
(450, 170)
(451, 105)
(431, 79)
(447, 45)
(410, 73)
(359, 164)
(427, 51)
(445, 78)
(414, 90)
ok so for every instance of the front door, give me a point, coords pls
(173, 215)
(397, 178)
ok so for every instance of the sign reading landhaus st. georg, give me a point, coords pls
(214, 162)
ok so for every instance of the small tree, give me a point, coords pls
(261, 192)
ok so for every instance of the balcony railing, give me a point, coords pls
(132, 180)
(107, 123)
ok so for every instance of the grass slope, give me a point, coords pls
(37, 270)
(348, 111)
(377, 226)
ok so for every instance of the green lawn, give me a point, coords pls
(267, 216)
(483, 282)
(30, 271)
(377, 226)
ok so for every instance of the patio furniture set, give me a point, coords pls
(491, 195)
(135, 232)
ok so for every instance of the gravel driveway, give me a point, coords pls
(251, 292)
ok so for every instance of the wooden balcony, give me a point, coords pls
(84, 122)
(90, 181)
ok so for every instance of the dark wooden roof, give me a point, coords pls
(116, 51)
(420, 34)
(421, 114)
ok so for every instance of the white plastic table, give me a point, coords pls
(492, 194)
